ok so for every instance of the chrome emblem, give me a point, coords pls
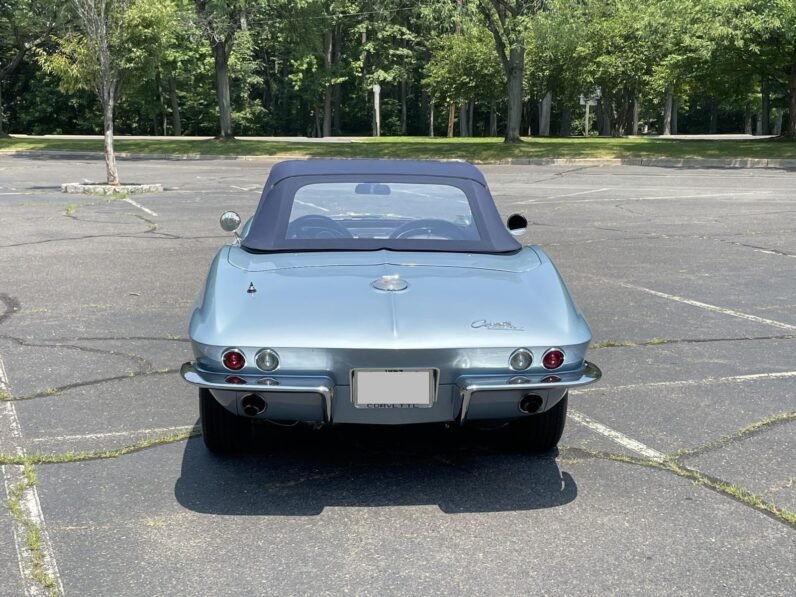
(496, 325)
(392, 283)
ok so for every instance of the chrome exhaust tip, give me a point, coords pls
(253, 405)
(531, 403)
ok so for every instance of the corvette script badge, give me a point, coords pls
(496, 325)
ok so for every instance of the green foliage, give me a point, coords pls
(712, 55)
(464, 67)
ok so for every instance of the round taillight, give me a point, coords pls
(233, 359)
(553, 358)
(267, 359)
(520, 359)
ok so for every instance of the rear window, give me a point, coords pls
(388, 210)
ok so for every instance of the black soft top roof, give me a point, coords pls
(290, 168)
(267, 232)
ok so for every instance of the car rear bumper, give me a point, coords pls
(318, 399)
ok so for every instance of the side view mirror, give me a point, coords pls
(230, 221)
(517, 224)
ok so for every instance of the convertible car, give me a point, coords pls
(383, 292)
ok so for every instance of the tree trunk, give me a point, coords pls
(470, 110)
(792, 105)
(636, 112)
(493, 119)
(777, 131)
(2, 130)
(544, 114)
(765, 107)
(221, 61)
(566, 123)
(403, 107)
(176, 122)
(674, 116)
(327, 92)
(109, 99)
(516, 63)
(667, 112)
(714, 116)
(431, 120)
(463, 120)
(336, 89)
(747, 120)
(451, 119)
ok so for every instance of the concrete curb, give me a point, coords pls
(107, 189)
(726, 163)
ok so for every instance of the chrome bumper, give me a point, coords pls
(470, 385)
(304, 385)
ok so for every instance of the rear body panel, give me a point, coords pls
(460, 314)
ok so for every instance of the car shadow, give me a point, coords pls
(299, 472)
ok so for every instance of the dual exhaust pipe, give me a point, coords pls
(253, 405)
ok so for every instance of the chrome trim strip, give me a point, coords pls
(589, 375)
(325, 388)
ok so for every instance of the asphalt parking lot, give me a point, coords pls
(675, 474)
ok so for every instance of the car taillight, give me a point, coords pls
(553, 358)
(235, 379)
(233, 359)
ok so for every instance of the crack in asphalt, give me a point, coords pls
(752, 430)
(145, 364)
(57, 390)
(664, 341)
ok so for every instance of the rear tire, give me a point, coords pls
(222, 431)
(539, 433)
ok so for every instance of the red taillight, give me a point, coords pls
(235, 379)
(553, 359)
(233, 359)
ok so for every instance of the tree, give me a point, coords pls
(110, 42)
(506, 19)
(221, 20)
(464, 68)
(24, 26)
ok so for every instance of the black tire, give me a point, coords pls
(540, 433)
(222, 431)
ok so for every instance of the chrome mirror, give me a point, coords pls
(517, 224)
(230, 221)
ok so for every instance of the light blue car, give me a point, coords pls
(383, 292)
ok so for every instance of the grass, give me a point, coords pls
(33, 538)
(476, 149)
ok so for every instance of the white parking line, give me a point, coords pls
(659, 197)
(139, 206)
(620, 438)
(29, 503)
(706, 381)
(572, 194)
(111, 434)
(706, 306)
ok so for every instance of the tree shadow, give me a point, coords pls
(299, 472)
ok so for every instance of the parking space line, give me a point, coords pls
(110, 434)
(618, 437)
(139, 206)
(29, 502)
(706, 306)
(693, 382)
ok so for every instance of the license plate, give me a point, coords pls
(393, 388)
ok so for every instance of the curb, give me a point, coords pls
(724, 163)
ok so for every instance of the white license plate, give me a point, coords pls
(393, 388)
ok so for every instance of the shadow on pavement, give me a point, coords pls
(299, 472)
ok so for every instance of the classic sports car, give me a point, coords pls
(383, 292)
